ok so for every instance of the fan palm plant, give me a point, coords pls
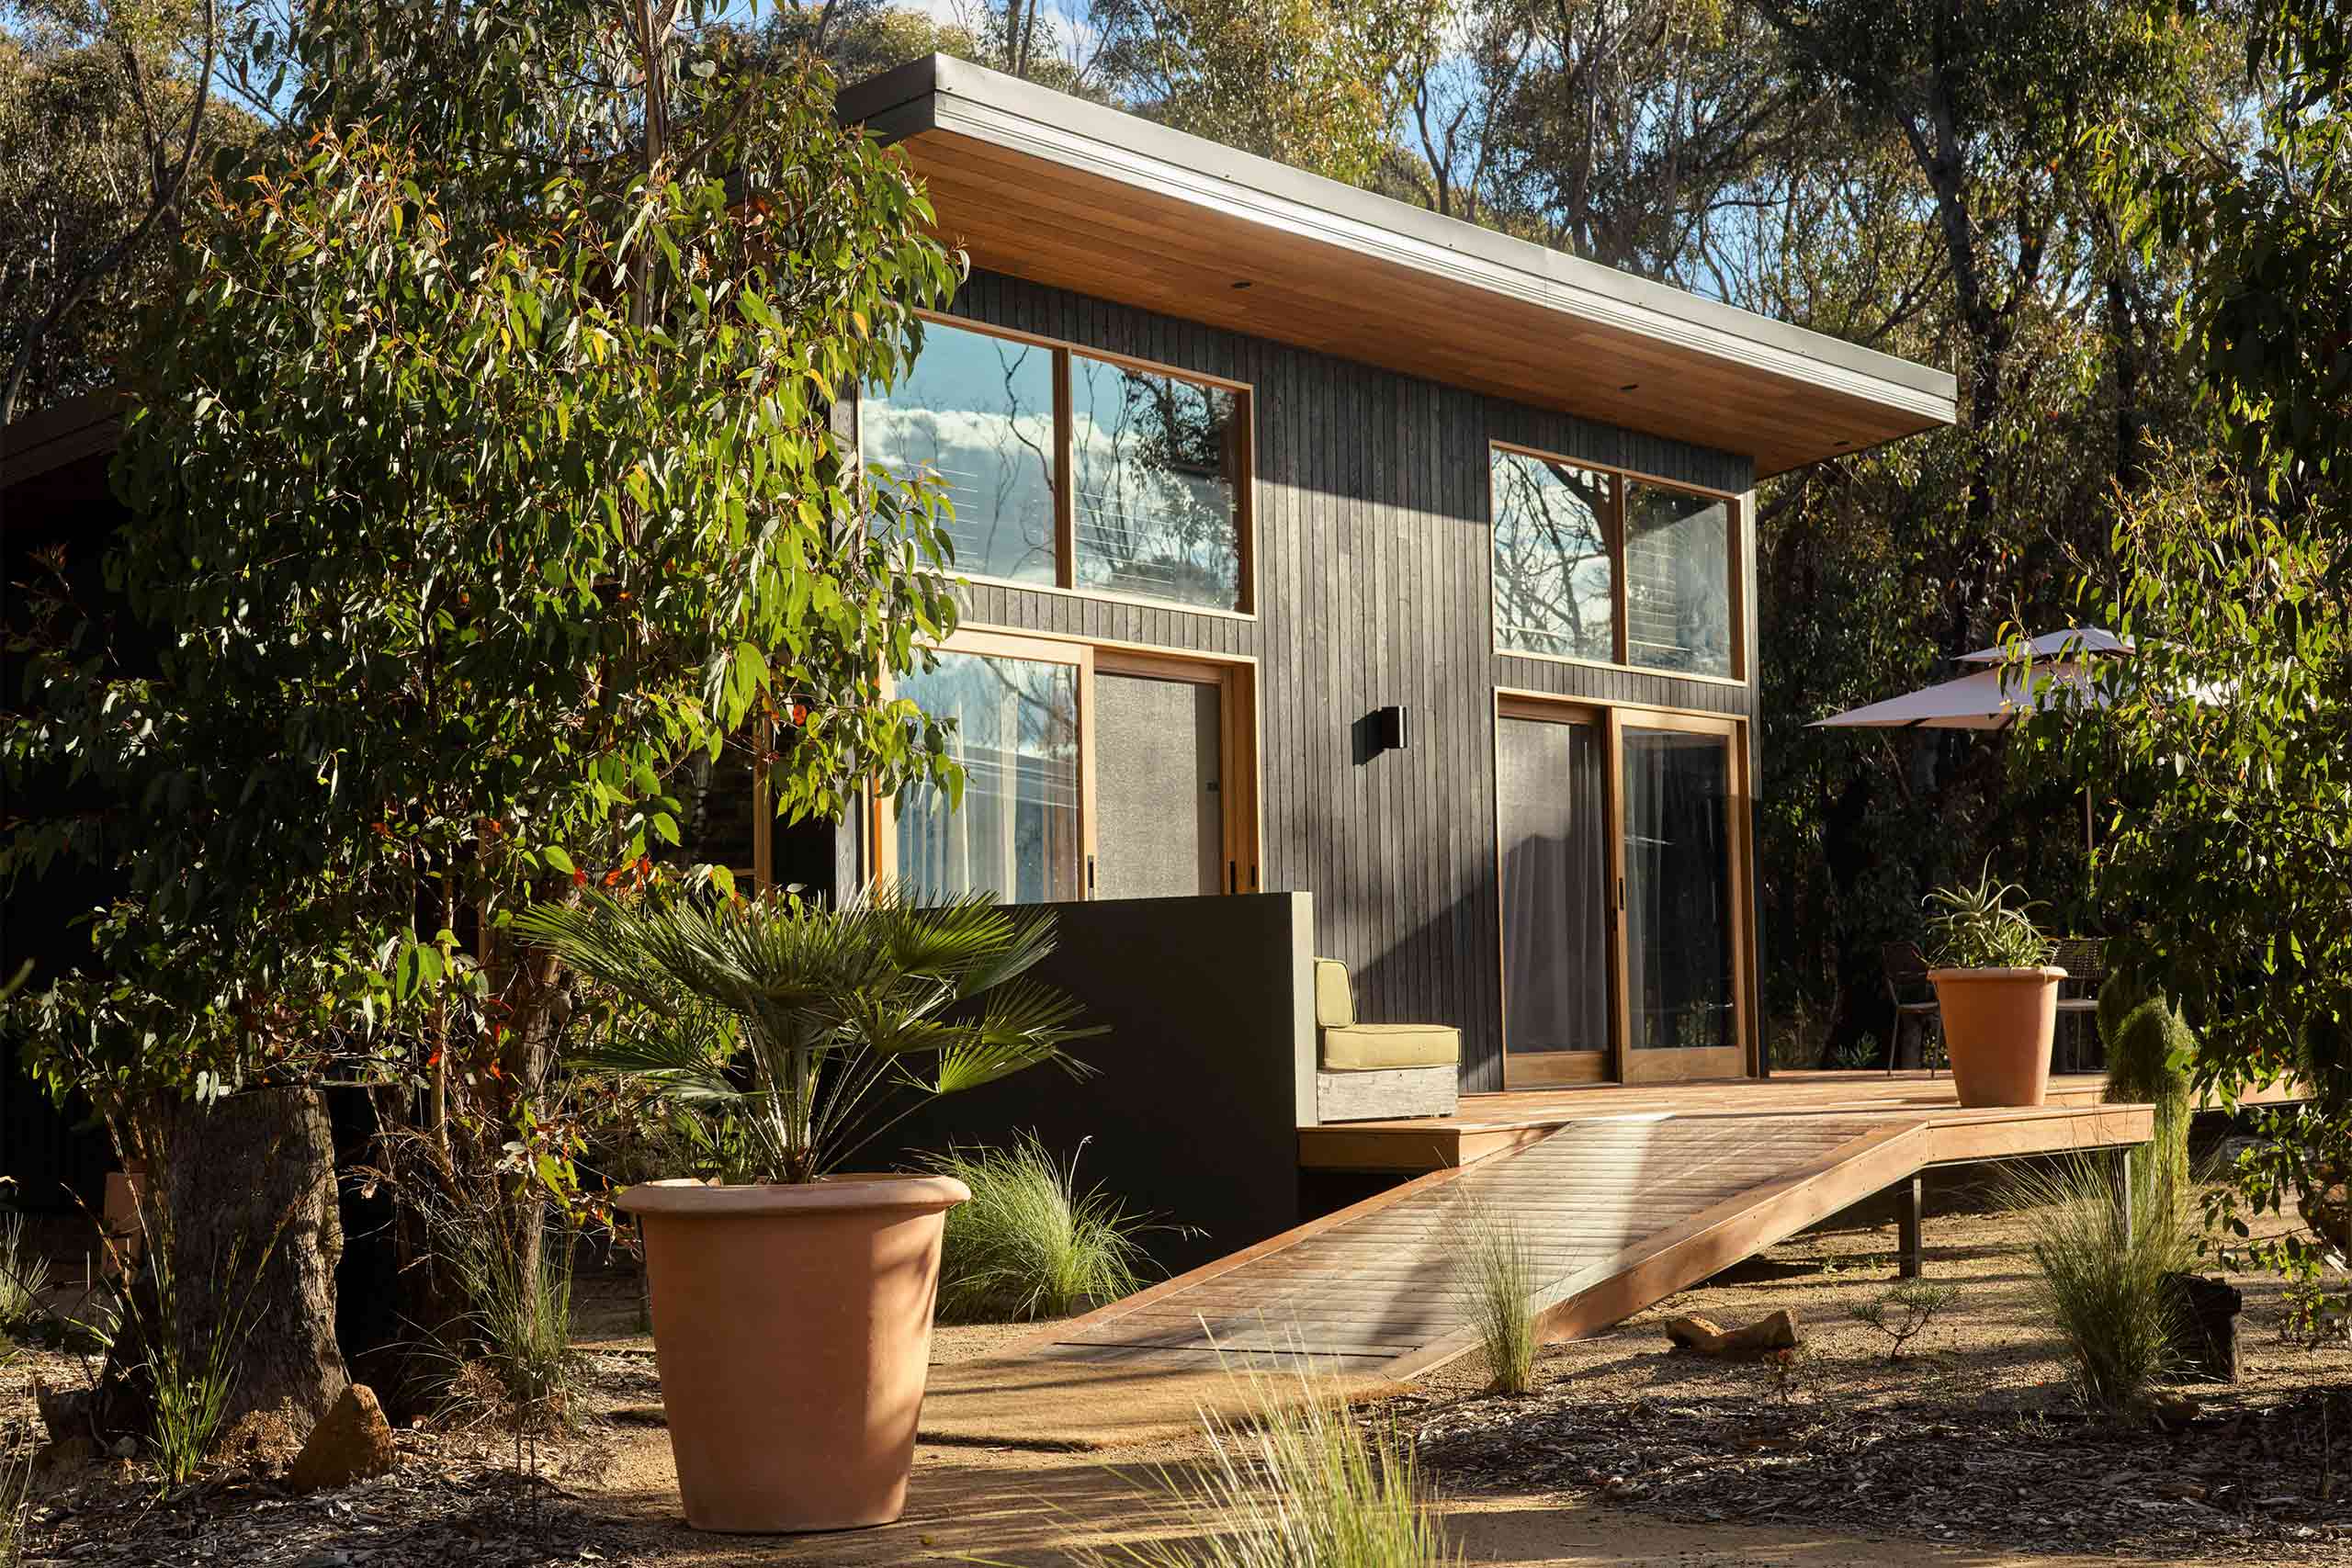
(848, 1016)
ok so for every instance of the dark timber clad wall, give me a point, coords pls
(1372, 563)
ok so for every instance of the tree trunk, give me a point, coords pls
(244, 1200)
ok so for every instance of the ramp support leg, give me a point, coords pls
(1911, 1257)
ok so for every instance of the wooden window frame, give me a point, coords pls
(1613, 526)
(1621, 1063)
(1236, 678)
(1065, 579)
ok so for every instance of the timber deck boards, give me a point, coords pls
(1622, 1196)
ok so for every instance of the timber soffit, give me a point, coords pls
(1043, 132)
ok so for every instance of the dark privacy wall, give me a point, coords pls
(1189, 1112)
(1373, 588)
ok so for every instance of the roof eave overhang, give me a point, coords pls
(1050, 137)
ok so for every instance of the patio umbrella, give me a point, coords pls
(2072, 642)
(1987, 699)
(1999, 697)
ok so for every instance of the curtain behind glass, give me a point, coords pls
(1677, 894)
(1017, 831)
(1550, 787)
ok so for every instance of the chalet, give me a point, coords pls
(1320, 543)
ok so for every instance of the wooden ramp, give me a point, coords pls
(1618, 1211)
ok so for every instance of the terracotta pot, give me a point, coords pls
(1998, 1024)
(792, 1326)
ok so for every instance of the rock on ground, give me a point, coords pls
(351, 1443)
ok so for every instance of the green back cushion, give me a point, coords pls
(1335, 1004)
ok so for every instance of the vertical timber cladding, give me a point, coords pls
(1374, 560)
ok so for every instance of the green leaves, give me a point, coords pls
(444, 533)
(838, 1009)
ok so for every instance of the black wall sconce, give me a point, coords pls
(1381, 729)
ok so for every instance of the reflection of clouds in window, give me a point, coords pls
(1553, 580)
(1157, 467)
(977, 412)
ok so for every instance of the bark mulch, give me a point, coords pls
(2271, 1482)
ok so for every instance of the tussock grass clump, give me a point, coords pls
(1029, 1244)
(523, 1336)
(2100, 1272)
(1496, 1277)
(1300, 1481)
(24, 1275)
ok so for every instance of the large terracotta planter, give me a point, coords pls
(792, 1326)
(1998, 1024)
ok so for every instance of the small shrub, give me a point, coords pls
(524, 1372)
(2101, 1279)
(191, 1370)
(1497, 1278)
(1978, 927)
(2149, 1051)
(24, 1275)
(1301, 1482)
(1906, 1311)
(1029, 1244)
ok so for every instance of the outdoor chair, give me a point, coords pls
(1906, 979)
(1376, 1071)
(2084, 958)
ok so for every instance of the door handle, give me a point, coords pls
(1090, 876)
(1233, 876)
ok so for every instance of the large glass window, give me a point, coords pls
(1678, 580)
(1594, 566)
(1158, 461)
(1554, 568)
(1156, 502)
(977, 411)
(1019, 832)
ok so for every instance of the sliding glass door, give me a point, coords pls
(1159, 822)
(1682, 937)
(1089, 773)
(1621, 870)
(1020, 830)
(1552, 814)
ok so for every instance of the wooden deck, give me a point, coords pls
(1623, 1196)
(1491, 1124)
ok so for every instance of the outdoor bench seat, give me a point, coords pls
(1367, 1047)
(1378, 1071)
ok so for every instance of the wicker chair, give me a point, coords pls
(1907, 971)
(2084, 958)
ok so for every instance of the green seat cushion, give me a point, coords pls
(1335, 1003)
(1368, 1047)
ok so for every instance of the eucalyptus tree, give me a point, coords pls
(107, 109)
(2228, 741)
(483, 475)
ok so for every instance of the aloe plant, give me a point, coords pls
(848, 1016)
(1978, 927)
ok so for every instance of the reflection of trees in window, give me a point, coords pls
(1157, 467)
(1553, 575)
(1678, 580)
